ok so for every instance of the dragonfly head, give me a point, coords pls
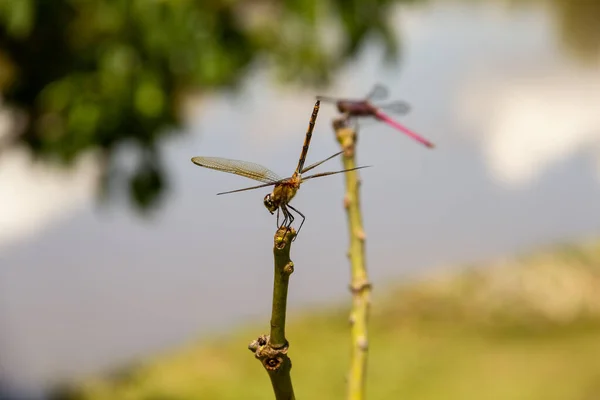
(268, 202)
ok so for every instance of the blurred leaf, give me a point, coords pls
(19, 16)
(95, 75)
(146, 184)
(579, 22)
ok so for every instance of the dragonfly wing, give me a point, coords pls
(327, 99)
(379, 92)
(242, 168)
(249, 188)
(320, 162)
(334, 172)
(396, 107)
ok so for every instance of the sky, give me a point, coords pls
(517, 165)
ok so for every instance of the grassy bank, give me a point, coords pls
(523, 328)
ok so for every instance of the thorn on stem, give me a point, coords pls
(263, 340)
(360, 234)
(362, 343)
(258, 343)
(289, 268)
(347, 201)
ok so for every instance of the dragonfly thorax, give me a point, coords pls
(356, 108)
(282, 193)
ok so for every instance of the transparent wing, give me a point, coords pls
(334, 172)
(379, 92)
(315, 165)
(249, 188)
(396, 107)
(327, 99)
(242, 168)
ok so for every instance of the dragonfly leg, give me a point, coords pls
(278, 218)
(292, 219)
(286, 216)
(289, 218)
(301, 223)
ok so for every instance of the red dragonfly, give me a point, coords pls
(365, 108)
(284, 189)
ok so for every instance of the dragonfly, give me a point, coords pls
(365, 108)
(284, 189)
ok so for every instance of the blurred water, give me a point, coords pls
(516, 166)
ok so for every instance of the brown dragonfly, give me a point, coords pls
(365, 108)
(284, 189)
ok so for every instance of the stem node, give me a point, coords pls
(358, 288)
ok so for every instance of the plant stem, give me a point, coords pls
(360, 286)
(272, 349)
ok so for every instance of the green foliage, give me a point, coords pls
(579, 22)
(414, 353)
(98, 74)
(94, 75)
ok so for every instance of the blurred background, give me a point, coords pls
(123, 276)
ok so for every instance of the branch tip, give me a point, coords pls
(284, 237)
(340, 123)
(271, 350)
(347, 137)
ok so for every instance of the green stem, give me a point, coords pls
(360, 286)
(272, 349)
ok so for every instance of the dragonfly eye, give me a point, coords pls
(269, 204)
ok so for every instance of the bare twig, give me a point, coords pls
(272, 349)
(360, 286)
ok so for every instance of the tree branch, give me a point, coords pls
(360, 285)
(272, 349)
